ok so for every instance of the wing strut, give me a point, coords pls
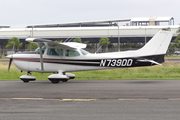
(41, 56)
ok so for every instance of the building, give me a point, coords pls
(129, 30)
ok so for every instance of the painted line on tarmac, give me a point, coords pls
(21, 99)
(66, 100)
(174, 98)
(27, 98)
(138, 99)
(132, 99)
(48, 99)
(79, 99)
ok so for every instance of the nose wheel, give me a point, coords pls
(28, 77)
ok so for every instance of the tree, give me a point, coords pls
(88, 44)
(77, 40)
(175, 43)
(59, 41)
(177, 40)
(32, 46)
(178, 36)
(105, 42)
(167, 29)
(14, 42)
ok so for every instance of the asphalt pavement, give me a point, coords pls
(90, 99)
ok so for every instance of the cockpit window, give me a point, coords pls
(84, 52)
(38, 50)
(72, 53)
(53, 51)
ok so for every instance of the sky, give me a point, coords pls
(16, 12)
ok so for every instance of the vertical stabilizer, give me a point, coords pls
(158, 45)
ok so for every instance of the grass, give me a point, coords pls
(166, 71)
(172, 57)
(14, 73)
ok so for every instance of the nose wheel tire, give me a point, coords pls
(25, 81)
(54, 81)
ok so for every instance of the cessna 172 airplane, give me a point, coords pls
(60, 58)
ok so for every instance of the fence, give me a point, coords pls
(171, 51)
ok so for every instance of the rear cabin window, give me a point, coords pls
(56, 52)
(72, 53)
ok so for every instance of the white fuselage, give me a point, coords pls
(51, 63)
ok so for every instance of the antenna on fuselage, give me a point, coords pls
(99, 48)
(68, 39)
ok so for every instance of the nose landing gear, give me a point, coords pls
(28, 77)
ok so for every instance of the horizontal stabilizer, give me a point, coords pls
(151, 61)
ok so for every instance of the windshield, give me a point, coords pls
(84, 52)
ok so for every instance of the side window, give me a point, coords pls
(38, 50)
(72, 53)
(56, 52)
(59, 52)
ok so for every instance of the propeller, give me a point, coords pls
(10, 57)
(10, 61)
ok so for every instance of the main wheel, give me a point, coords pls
(25, 81)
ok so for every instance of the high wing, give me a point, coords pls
(69, 45)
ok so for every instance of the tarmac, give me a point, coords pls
(90, 99)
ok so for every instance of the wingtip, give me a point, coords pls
(30, 39)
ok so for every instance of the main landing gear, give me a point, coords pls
(55, 81)
(54, 78)
(64, 77)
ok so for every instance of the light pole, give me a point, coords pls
(118, 38)
(145, 35)
(32, 34)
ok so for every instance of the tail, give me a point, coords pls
(155, 50)
(158, 45)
